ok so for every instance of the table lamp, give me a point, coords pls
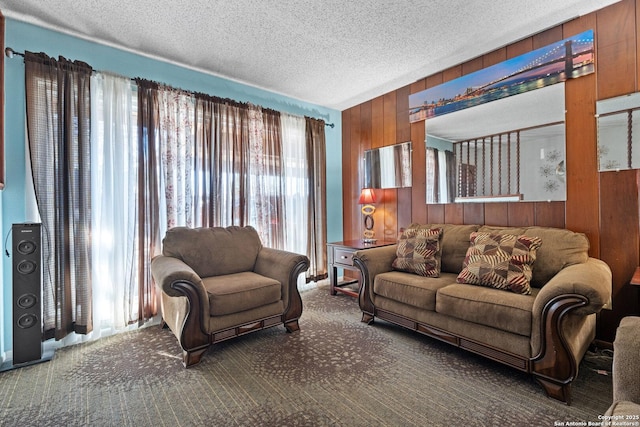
(367, 198)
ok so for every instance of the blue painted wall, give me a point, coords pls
(21, 36)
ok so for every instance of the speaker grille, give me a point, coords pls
(27, 284)
(27, 267)
(27, 301)
(26, 247)
(28, 320)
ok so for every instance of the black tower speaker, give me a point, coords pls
(27, 284)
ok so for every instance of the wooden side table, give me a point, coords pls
(340, 255)
(635, 281)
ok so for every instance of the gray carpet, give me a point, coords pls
(336, 371)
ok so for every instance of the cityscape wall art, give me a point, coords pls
(566, 59)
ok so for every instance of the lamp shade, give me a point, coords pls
(367, 197)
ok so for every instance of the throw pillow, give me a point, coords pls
(501, 261)
(419, 252)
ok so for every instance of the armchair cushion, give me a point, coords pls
(240, 291)
(234, 249)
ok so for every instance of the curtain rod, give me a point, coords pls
(10, 53)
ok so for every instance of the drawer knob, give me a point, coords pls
(344, 257)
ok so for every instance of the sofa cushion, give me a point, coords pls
(561, 249)
(418, 251)
(506, 311)
(501, 261)
(495, 229)
(411, 289)
(213, 251)
(237, 292)
(454, 244)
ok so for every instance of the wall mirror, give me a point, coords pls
(388, 167)
(618, 132)
(506, 150)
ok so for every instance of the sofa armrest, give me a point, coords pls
(591, 279)
(626, 361)
(372, 262)
(562, 306)
(284, 267)
(580, 289)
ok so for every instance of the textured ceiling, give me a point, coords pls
(333, 53)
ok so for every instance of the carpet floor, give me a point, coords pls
(336, 371)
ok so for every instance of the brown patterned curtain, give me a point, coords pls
(238, 174)
(221, 159)
(237, 153)
(317, 207)
(202, 163)
(58, 128)
(451, 176)
(148, 222)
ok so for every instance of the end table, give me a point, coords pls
(635, 281)
(340, 255)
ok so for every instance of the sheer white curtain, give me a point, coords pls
(296, 184)
(113, 180)
(431, 176)
(443, 173)
(296, 187)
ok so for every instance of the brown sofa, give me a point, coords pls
(626, 374)
(218, 283)
(545, 333)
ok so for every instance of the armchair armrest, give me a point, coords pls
(167, 271)
(284, 267)
(626, 361)
(177, 279)
(372, 262)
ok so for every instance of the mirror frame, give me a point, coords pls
(525, 112)
(401, 162)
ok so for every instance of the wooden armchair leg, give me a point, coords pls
(192, 357)
(292, 326)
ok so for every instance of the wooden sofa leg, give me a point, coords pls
(561, 392)
(367, 318)
(192, 357)
(292, 326)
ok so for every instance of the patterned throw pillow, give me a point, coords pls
(501, 261)
(419, 252)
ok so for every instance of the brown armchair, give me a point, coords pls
(218, 283)
(626, 374)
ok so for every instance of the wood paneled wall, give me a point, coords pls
(604, 206)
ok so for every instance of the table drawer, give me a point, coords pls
(344, 257)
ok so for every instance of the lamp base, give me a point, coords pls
(369, 240)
